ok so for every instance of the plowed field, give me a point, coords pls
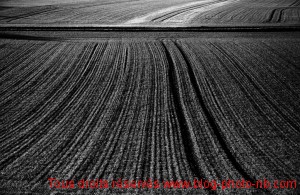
(148, 105)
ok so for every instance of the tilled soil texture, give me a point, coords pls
(147, 105)
(149, 12)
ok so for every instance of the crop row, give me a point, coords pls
(154, 12)
(252, 12)
(137, 109)
(93, 12)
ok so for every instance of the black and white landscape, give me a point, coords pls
(139, 90)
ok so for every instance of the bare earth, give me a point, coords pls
(150, 13)
(128, 89)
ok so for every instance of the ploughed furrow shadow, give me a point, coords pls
(126, 59)
(270, 16)
(177, 12)
(275, 16)
(211, 120)
(187, 137)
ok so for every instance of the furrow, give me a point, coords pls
(211, 119)
(263, 93)
(189, 139)
(277, 106)
(254, 103)
(23, 134)
(177, 12)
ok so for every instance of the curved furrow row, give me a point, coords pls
(154, 12)
(188, 16)
(10, 50)
(269, 86)
(31, 78)
(20, 75)
(145, 117)
(38, 86)
(252, 93)
(178, 158)
(57, 9)
(233, 15)
(286, 124)
(137, 148)
(127, 132)
(38, 12)
(124, 117)
(139, 109)
(96, 12)
(181, 11)
(138, 119)
(21, 51)
(275, 16)
(125, 14)
(153, 139)
(59, 146)
(273, 107)
(117, 115)
(41, 108)
(284, 61)
(274, 119)
(264, 143)
(13, 14)
(168, 120)
(42, 115)
(83, 116)
(205, 88)
(107, 73)
(84, 112)
(236, 141)
(203, 146)
(250, 12)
